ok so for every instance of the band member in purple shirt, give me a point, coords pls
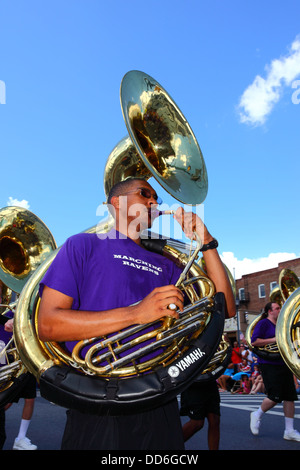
(100, 285)
(277, 377)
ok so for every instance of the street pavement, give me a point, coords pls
(47, 426)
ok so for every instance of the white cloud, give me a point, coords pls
(15, 202)
(246, 266)
(260, 97)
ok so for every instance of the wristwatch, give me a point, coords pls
(210, 246)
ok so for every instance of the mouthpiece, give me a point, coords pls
(166, 212)
(157, 213)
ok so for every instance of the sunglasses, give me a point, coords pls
(146, 193)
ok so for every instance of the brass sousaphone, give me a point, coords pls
(288, 322)
(160, 144)
(25, 242)
(285, 336)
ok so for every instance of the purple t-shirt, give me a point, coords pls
(102, 274)
(265, 329)
(5, 337)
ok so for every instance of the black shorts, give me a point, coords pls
(279, 382)
(28, 390)
(200, 399)
(158, 429)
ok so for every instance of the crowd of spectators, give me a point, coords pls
(242, 374)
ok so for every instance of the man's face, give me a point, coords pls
(136, 204)
(275, 310)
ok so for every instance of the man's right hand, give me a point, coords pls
(155, 305)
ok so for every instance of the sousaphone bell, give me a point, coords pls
(288, 322)
(25, 242)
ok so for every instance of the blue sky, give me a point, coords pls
(232, 67)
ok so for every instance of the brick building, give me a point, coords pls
(253, 291)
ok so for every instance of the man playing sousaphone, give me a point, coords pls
(89, 291)
(277, 377)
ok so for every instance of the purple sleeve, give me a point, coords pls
(60, 275)
(260, 331)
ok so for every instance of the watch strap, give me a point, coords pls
(210, 246)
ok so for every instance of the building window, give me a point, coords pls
(261, 291)
(242, 293)
(273, 285)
